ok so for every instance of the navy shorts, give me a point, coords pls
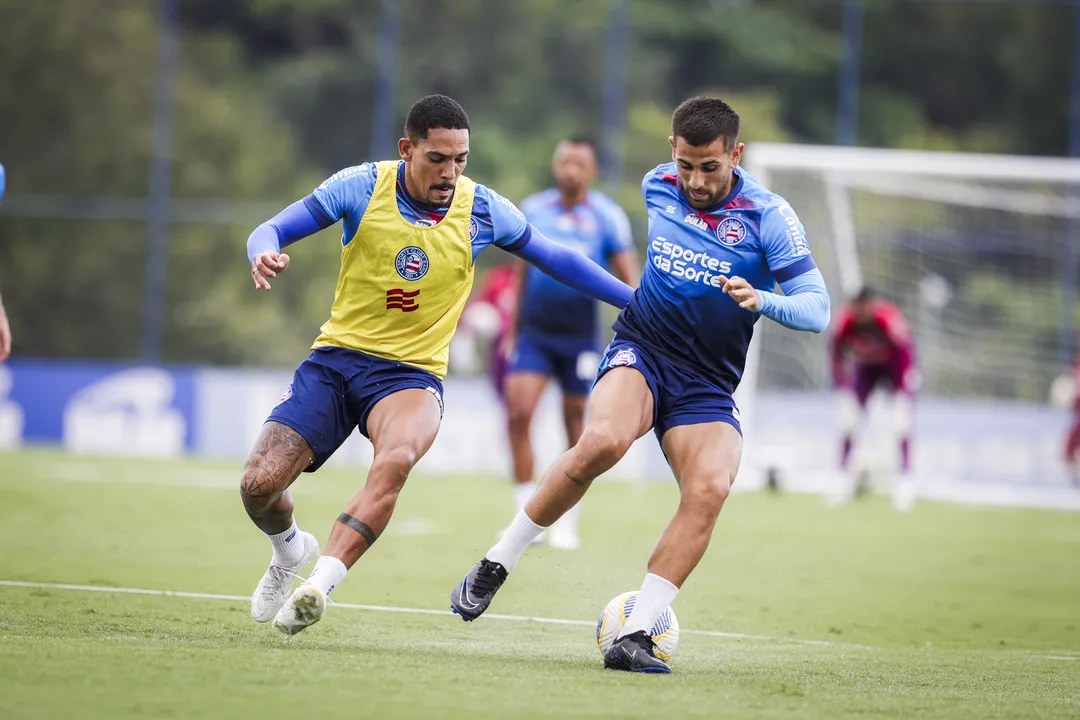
(679, 397)
(572, 361)
(334, 390)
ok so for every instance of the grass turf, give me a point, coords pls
(943, 612)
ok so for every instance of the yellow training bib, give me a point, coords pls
(402, 287)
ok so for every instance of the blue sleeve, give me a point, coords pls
(804, 305)
(784, 242)
(302, 218)
(2, 177)
(346, 193)
(572, 268)
(508, 224)
(618, 236)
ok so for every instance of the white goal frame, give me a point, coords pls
(904, 173)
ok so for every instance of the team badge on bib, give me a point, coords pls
(625, 356)
(412, 263)
(285, 395)
(731, 231)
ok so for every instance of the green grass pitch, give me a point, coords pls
(944, 612)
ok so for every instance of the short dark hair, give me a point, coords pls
(433, 112)
(581, 140)
(700, 120)
(865, 294)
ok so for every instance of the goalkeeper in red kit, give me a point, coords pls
(873, 349)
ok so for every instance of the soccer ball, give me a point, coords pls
(665, 632)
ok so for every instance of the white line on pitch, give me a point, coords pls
(391, 609)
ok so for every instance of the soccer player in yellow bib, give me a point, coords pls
(412, 230)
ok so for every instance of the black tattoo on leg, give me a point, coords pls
(576, 480)
(273, 462)
(359, 526)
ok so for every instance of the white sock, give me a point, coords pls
(288, 546)
(522, 493)
(512, 544)
(654, 598)
(328, 572)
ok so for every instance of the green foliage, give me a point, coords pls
(274, 95)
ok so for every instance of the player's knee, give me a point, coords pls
(708, 496)
(519, 420)
(604, 446)
(391, 467)
(258, 490)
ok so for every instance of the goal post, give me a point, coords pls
(980, 251)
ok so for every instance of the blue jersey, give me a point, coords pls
(680, 310)
(1, 182)
(597, 228)
(346, 194)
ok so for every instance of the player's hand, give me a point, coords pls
(742, 292)
(267, 265)
(5, 337)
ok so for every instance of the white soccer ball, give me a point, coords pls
(665, 631)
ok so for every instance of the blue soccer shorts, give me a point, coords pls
(572, 361)
(679, 397)
(334, 390)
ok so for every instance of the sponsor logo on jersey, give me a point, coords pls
(509, 205)
(349, 172)
(696, 220)
(474, 227)
(731, 231)
(795, 236)
(625, 356)
(670, 209)
(424, 222)
(411, 263)
(685, 263)
(403, 300)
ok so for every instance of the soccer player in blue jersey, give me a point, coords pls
(412, 230)
(718, 244)
(555, 333)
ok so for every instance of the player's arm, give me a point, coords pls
(805, 303)
(296, 222)
(513, 233)
(5, 333)
(572, 269)
(345, 193)
(619, 247)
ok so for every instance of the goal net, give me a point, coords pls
(979, 251)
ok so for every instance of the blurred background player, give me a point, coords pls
(487, 318)
(1064, 394)
(554, 331)
(873, 348)
(5, 328)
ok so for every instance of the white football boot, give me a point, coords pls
(304, 608)
(273, 589)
